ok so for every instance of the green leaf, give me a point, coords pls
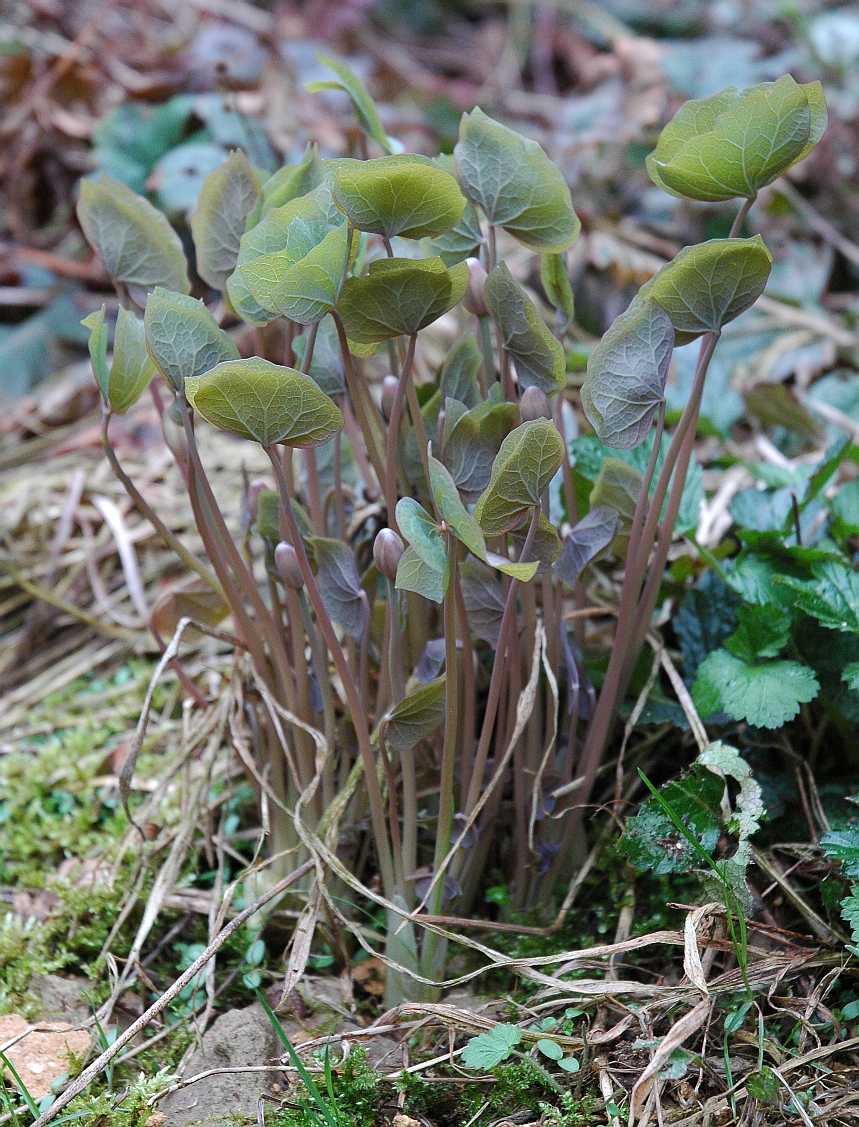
(529, 458)
(538, 356)
(762, 631)
(845, 507)
(569, 1064)
(340, 585)
(399, 296)
(416, 717)
(415, 574)
(843, 846)
(707, 285)
(465, 237)
(265, 402)
(515, 184)
(228, 196)
(362, 103)
(764, 1087)
(556, 285)
(423, 534)
(585, 541)
(832, 596)
(451, 510)
(850, 915)
(492, 1048)
(135, 242)
(617, 487)
(400, 195)
(473, 442)
(458, 378)
(97, 345)
(625, 381)
(550, 1049)
(291, 181)
(484, 600)
(734, 143)
(748, 812)
(132, 367)
(850, 675)
(765, 695)
(183, 337)
(651, 840)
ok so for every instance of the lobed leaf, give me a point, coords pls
(538, 356)
(400, 195)
(135, 242)
(183, 337)
(264, 402)
(515, 184)
(766, 694)
(487, 1050)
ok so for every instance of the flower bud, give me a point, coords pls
(288, 568)
(474, 300)
(389, 392)
(534, 405)
(387, 550)
(174, 432)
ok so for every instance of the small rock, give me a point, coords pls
(398, 1121)
(44, 1054)
(62, 997)
(237, 1039)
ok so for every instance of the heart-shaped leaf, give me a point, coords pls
(735, 142)
(529, 458)
(538, 356)
(400, 195)
(131, 368)
(292, 262)
(135, 242)
(617, 486)
(399, 296)
(228, 196)
(183, 337)
(625, 381)
(458, 377)
(416, 716)
(590, 536)
(292, 181)
(707, 285)
(484, 600)
(415, 574)
(265, 402)
(472, 442)
(362, 103)
(515, 184)
(340, 585)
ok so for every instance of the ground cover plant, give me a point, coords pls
(454, 625)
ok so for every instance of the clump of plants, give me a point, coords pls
(407, 587)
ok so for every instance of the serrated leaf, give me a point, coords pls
(584, 542)
(415, 574)
(227, 198)
(762, 631)
(766, 694)
(529, 458)
(845, 506)
(707, 285)
(492, 1048)
(135, 242)
(734, 143)
(264, 402)
(625, 381)
(399, 296)
(132, 368)
(832, 596)
(183, 337)
(402, 195)
(515, 184)
(362, 103)
(97, 345)
(850, 913)
(749, 808)
(458, 377)
(538, 356)
(416, 716)
(556, 286)
(843, 846)
(340, 585)
(705, 618)
(652, 842)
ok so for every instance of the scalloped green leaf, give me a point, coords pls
(399, 296)
(362, 103)
(264, 402)
(416, 716)
(400, 195)
(133, 239)
(625, 381)
(538, 356)
(227, 198)
(766, 694)
(515, 184)
(707, 285)
(529, 458)
(132, 368)
(183, 337)
(735, 142)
